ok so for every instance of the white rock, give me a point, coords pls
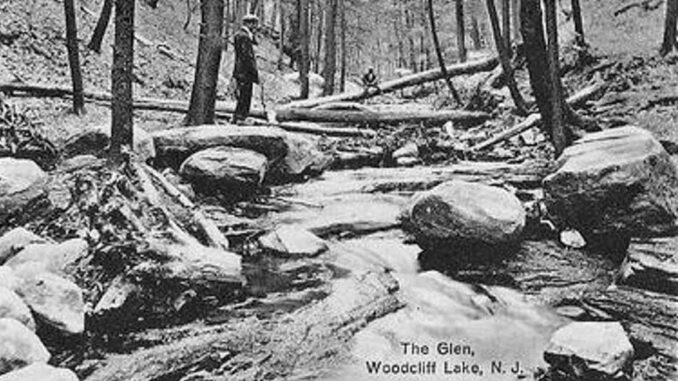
(19, 346)
(15, 240)
(572, 238)
(408, 150)
(9, 279)
(60, 258)
(462, 212)
(226, 166)
(55, 301)
(590, 350)
(11, 306)
(21, 181)
(40, 372)
(293, 241)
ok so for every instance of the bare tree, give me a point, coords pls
(669, 42)
(504, 59)
(461, 30)
(281, 40)
(330, 65)
(439, 53)
(304, 66)
(121, 77)
(102, 24)
(560, 140)
(344, 55)
(506, 24)
(74, 57)
(475, 33)
(203, 95)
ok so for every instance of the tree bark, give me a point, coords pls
(281, 41)
(439, 53)
(461, 30)
(304, 66)
(506, 24)
(121, 77)
(475, 34)
(203, 95)
(504, 59)
(102, 24)
(330, 65)
(578, 25)
(669, 42)
(344, 55)
(74, 57)
(560, 140)
(515, 20)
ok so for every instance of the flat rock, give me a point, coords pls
(293, 241)
(95, 139)
(590, 350)
(652, 265)
(40, 372)
(464, 213)
(15, 240)
(225, 166)
(60, 258)
(19, 346)
(618, 180)
(11, 306)
(288, 154)
(21, 181)
(55, 302)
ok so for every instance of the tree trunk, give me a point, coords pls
(578, 26)
(504, 59)
(385, 117)
(515, 21)
(539, 70)
(439, 53)
(203, 95)
(304, 40)
(669, 43)
(121, 77)
(344, 55)
(475, 34)
(410, 39)
(330, 65)
(74, 57)
(560, 140)
(102, 24)
(461, 30)
(281, 41)
(506, 24)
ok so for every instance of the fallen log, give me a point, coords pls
(310, 338)
(401, 83)
(316, 129)
(386, 117)
(533, 120)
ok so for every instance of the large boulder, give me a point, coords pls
(618, 181)
(225, 166)
(462, 214)
(60, 258)
(11, 306)
(9, 279)
(95, 140)
(15, 240)
(288, 154)
(40, 372)
(55, 302)
(652, 265)
(19, 346)
(590, 351)
(21, 181)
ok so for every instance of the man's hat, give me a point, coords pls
(250, 18)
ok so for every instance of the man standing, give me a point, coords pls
(245, 69)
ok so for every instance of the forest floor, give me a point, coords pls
(240, 341)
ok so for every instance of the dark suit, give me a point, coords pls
(244, 71)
